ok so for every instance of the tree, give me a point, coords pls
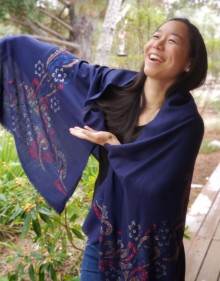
(107, 33)
(58, 24)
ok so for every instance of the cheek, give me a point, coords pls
(180, 59)
(146, 48)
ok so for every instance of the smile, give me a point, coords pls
(156, 58)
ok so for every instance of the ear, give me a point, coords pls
(187, 68)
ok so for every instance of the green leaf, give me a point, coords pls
(44, 267)
(51, 248)
(52, 272)
(4, 279)
(26, 225)
(76, 278)
(34, 214)
(187, 233)
(45, 211)
(69, 277)
(57, 236)
(38, 256)
(73, 217)
(3, 198)
(20, 268)
(36, 227)
(44, 217)
(77, 233)
(31, 273)
(41, 276)
(12, 277)
(47, 220)
(18, 211)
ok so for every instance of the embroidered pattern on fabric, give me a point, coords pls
(32, 106)
(146, 255)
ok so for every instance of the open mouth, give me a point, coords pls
(155, 58)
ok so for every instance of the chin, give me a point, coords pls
(147, 71)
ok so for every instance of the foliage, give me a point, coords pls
(213, 46)
(58, 239)
(21, 7)
(187, 233)
(64, 21)
(142, 18)
(207, 147)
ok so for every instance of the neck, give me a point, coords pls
(155, 93)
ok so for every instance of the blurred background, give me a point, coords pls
(36, 243)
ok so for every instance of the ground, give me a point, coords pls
(208, 161)
(205, 165)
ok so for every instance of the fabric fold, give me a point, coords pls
(139, 210)
(44, 90)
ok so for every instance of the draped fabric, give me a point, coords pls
(138, 212)
(43, 90)
(141, 205)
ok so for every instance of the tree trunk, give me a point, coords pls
(107, 33)
(82, 33)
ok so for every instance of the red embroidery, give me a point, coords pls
(59, 187)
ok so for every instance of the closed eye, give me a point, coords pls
(172, 41)
(155, 36)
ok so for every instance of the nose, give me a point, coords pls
(159, 44)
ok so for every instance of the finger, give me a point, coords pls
(77, 128)
(89, 129)
(82, 133)
(79, 132)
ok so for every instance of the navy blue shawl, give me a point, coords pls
(138, 213)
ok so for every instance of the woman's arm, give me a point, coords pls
(97, 137)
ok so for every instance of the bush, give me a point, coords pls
(58, 239)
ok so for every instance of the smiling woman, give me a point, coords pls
(167, 54)
(144, 128)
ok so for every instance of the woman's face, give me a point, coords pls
(167, 52)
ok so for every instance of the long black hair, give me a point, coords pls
(122, 106)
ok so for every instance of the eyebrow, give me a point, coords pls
(172, 33)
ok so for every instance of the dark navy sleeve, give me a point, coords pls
(43, 90)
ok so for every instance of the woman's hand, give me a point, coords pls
(98, 137)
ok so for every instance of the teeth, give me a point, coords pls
(156, 57)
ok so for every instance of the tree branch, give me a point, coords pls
(65, 3)
(66, 25)
(48, 30)
(28, 24)
(55, 41)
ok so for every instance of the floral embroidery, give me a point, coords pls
(54, 104)
(13, 123)
(163, 236)
(145, 255)
(31, 117)
(134, 231)
(39, 69)
(59, 75)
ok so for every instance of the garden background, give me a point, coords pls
(35, 242)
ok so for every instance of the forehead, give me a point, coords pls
(176, 28)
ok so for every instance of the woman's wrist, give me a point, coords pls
(112, 140)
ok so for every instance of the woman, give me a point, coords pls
(144, 128)
(175, 63)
